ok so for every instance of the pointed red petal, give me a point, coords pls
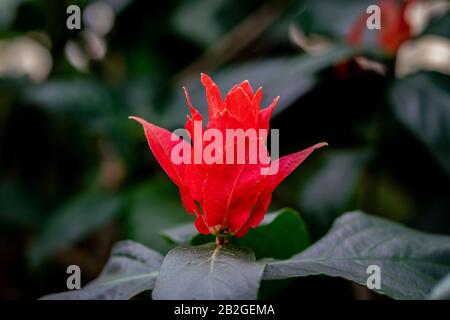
(229, 193)
(188, 202)
(194, 173)
(194, 113)
(195, 117)
(245, 85)
(194, 177)
(213, 96)
(256, 101)
(192, 207)
(288, 163)
(240, 106)
(201, 226)
(160, 143)
(256, 216)
(222, 121)
(266, 114)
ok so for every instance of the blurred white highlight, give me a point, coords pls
(25, 56)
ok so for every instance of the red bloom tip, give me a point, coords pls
(141, 121)
(226, 197)
(213, 96)
(320, 145)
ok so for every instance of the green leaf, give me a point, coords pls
(181, 234)
(204, 21)
(73, 222)
(331, 191)
(280, 235)
(283, 235)
(411, 262)
(209, 272)
(442, 290)
(131, 269)
(439, 25)
(96, 108)
(420, 103)
(151, 208)
(197, 20)
(100, 108)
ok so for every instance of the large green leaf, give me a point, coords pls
(131, 269)
(420, 102)
(72, 222)
(442, 290)
(280, 235)
(209, 272)
(411, 262)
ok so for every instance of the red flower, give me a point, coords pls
(394, 28)
(227, 198)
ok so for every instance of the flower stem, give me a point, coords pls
(221, 240)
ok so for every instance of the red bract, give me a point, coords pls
(394, 28)
(226, 198)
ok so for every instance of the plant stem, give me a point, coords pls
(221, 240)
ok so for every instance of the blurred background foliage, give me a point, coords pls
(76, 175)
